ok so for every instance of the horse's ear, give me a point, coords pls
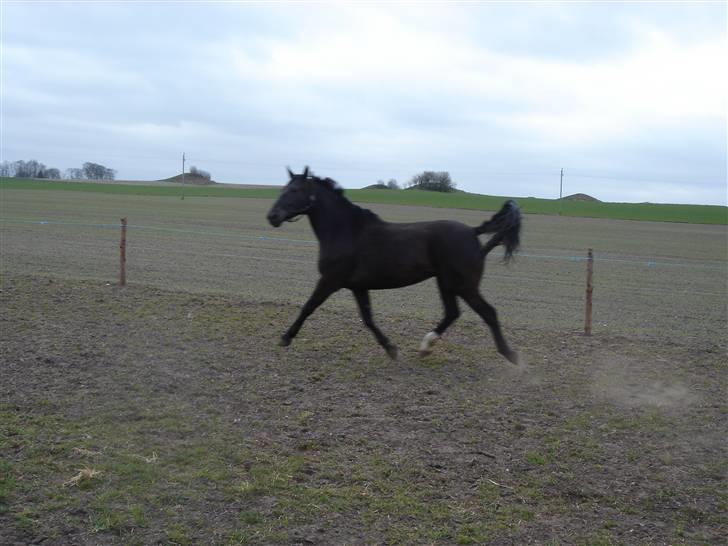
(305, 172)
(290, 172)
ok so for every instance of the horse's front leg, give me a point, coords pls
(365, 309)
(322, 291)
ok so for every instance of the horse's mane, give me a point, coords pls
(329, 183)
(332, 185)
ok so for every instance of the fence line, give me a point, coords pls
(714, 265)
(489, 275)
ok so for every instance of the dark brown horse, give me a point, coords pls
(361, 252)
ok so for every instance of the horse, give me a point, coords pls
(360, 252)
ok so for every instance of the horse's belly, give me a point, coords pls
(388, 277)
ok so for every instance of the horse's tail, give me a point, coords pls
(506, 224)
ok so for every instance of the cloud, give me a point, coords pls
(660, 79)
(375, 91)
(661, 84)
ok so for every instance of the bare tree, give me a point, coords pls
(199, 172)
(433, 181)
(35, 169)
(29, 169)
(7, 169)
(73, 174)
(94, 171)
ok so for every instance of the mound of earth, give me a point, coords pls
(581, 197)
(189, 178)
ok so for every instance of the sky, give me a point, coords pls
(629, 98)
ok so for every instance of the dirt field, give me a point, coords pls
(166, 413)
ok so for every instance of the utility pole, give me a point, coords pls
(561, 190)
(183, 176)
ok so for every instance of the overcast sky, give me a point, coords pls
(630, 98)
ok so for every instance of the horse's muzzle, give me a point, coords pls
(275, 218)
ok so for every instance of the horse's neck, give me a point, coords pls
(332, 219)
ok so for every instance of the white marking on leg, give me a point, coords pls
(427, 342)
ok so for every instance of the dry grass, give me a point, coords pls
(83, 475)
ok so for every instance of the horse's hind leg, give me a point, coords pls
(452, 312)
(488, 314)
(365, 310)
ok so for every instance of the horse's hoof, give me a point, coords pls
(392, 352)
(424, 352)
(427, 342)
(513, 357)
(285, 341)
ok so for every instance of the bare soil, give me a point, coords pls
(601, 440)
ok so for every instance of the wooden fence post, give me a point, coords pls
(122, 254)
(589, 290)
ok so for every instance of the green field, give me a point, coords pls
(692, 214)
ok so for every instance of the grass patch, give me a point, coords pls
(536, 458)
(695, 214)
(7, 485)
(87, 467)
(179, 534)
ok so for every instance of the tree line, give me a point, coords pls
(36, 169)
(427, 180)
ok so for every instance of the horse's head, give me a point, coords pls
(298, 197)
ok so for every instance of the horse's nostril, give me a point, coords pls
(274, 218)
